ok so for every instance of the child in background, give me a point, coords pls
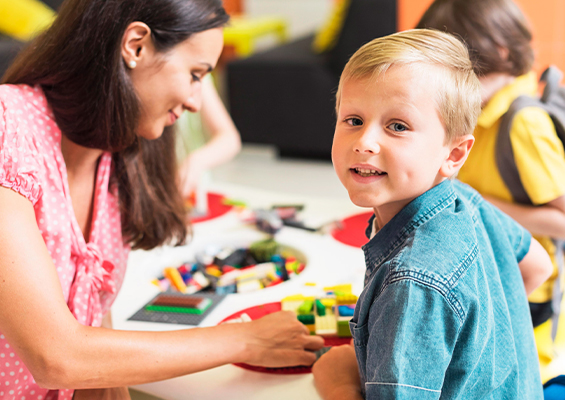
(443, 314)
(498, 39)
(205, 139)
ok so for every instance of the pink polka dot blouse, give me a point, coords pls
(31, 163)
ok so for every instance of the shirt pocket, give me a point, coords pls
(360, 335)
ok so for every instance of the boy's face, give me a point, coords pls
(388, 145)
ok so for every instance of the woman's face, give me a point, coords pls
(169, 83)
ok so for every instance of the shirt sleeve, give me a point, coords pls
(539, 155)
(19, 169)
(412, 334)
(519, 238)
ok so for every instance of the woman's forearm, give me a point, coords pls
(99, 358)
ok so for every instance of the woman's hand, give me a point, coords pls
(279, 340)
(120, 393)
(336, 374)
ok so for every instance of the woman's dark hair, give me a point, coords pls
(487, 27)
(79, 66)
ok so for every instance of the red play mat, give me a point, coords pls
(353, 232)
(257, 312)
(216, 208)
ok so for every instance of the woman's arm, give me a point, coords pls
(535, 267)
(223, 145)
(545, 220)
(61, 353)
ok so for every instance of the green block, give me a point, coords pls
(343, 329)
(307, 319)
(264, 250)
(180, 310)
(320, 308)
(306, 307)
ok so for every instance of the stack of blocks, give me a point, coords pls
(328, 315)
(178, 304)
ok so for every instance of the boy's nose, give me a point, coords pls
(368, 143)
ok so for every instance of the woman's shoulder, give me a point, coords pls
(19, 95)
(25, 114)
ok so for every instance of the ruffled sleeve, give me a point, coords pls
(19, 168)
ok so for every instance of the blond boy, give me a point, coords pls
(436, 320)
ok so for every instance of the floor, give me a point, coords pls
(259, 167)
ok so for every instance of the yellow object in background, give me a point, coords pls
(23, 19)
(326, 37)
(242, 32)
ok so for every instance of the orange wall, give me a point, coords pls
(547, 19)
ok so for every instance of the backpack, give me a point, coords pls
(553, 102)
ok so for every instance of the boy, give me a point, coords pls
(498, 36)
(435, 319)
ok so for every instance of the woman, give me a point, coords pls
(87, 170)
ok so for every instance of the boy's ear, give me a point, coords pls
(460, 148)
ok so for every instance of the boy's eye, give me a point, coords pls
(196, 78)
(398, 127)
(354, 121)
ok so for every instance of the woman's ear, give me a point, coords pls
(460, 148)
(137, 45)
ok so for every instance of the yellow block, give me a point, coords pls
(242, 32)
(23, 19)
(345, 288)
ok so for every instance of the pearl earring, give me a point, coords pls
(132, 64)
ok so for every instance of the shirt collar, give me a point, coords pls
(414, 214)
(499, 103)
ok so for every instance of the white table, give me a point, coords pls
(328, 263)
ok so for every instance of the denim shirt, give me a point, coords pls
(444, 314)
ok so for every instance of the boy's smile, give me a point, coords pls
(389, 145)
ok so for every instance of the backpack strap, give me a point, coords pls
(508, 170)
(504, 153)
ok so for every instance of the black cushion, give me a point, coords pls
(365, 21)
(9, 48)
(285, 97)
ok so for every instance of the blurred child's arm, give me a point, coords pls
(535, 267)
(336, 374)
(545, 220)
(223, 145)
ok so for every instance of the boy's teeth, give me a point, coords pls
(366, 172)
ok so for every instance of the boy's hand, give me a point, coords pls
(336, 374)
(279, 340)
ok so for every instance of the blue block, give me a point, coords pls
(346, 311)
(226, 289)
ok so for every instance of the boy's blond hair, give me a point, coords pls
(458, 100)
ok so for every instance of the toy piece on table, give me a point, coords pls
(264, 250)
(268, 221)
(264, 264)
(159, 308)
(242, 318)
(180, 304)
(174, 277)
(234, 203)
(328, 315)
(319, 353)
